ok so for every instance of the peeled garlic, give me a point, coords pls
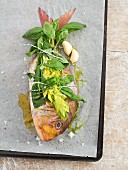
(74, 56)
(67, 47)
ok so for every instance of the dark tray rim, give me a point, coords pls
(101, 119)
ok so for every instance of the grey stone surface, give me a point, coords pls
(16, 18)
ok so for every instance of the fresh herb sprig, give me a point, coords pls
(48, 82)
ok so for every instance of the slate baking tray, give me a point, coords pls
(16, 18)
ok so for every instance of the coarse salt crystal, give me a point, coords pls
(24, 73)
(2, 72)
(84, 13)
(23, 77)
(82, 144)
(28, 142)
(18, 85)
(25, 58)
(5, 122)
(37, 138)
(61, 140)
(39, 143)
(71, 134)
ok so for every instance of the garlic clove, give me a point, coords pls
(67, 47)
(74, 56)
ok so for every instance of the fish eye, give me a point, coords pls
(58, 125)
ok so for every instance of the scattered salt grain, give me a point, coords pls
(17, 140)
(23, 77)
(61, 140)
(71, 134)
(37, 138)
(84, 13)
(28, 142)
(39, 143)
(2, 72)
(24, 73)
(5, 122)
(82, 144)
(25, 58)
(18, 85)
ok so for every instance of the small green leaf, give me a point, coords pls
(37, 74)
(61, 36)
(29, 54)
(50, 81)
(48, 30)
(33, 48)
(37, 95)
(69, 93)
(73, 26)
(66, 80)
(46, 44)
(62, 58)
(55, 64)
(30, 75)
(40, 43)
(34, 33)
(55, 24)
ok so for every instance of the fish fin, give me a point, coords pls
(65, 18)
(44, 17)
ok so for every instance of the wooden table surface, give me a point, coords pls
(115, 155)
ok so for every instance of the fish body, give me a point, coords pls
(47, 122)
(52, 88)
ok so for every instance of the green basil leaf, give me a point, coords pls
(37, 96)
(55, 24)
(46, 43)
(62, 58)
(51, 81)
(29, 54)
(55, 64)
(69, 93)
(66, 80)
(61, 36)
(30, 75)
(38, 102)
(33, 48)
(48, 30)
(40, 43)
(34, 33)
(73, 26)
(37, 73)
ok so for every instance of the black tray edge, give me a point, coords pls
(102, 97)
(101, 119)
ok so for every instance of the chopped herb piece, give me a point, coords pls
(30, 75)
(69, 93)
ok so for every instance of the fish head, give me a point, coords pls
(49, 127)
